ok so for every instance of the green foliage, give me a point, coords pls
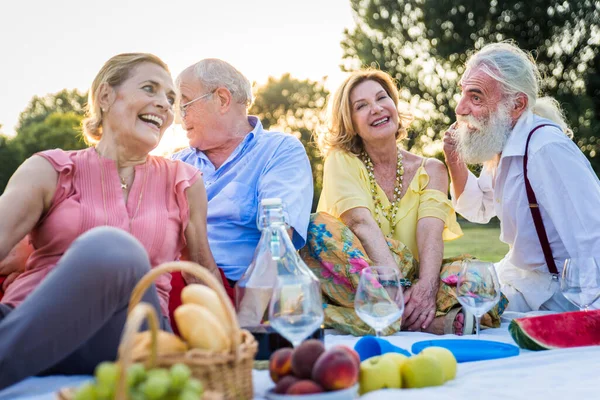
(424, 45)
(48, 122)
(9, 161)
(39, 108)
(57, 130)
(298, 107)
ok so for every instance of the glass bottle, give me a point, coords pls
(275, 255)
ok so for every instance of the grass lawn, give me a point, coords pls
(480, 241)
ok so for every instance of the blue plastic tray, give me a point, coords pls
(466, 350)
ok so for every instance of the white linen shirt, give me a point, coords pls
(568, 193)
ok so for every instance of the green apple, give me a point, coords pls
(446, 358)
(422, 371)
(398, 359)
(378, 373)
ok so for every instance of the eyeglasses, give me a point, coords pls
(184, 107)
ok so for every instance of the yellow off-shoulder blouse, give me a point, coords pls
(346, 186)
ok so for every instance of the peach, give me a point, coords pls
(304, 387)
(305, 356)
(335, 370)
(284, 384)
(353, 354)
(280, 363)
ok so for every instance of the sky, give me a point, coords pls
(47, 46)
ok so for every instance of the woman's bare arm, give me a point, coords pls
(361, 223)
(420, 307)
(26, 197)
(196, 235)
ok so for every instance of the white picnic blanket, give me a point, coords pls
(567, 374)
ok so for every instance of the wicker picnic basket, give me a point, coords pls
(134, 321)
(228, 372)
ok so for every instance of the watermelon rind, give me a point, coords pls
(522, 339)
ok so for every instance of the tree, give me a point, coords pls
(297, 107)
(9, 161)
(65, 101)
(57, 130)
(424, 45)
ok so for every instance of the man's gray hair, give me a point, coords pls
(517, 72)
(214, 73)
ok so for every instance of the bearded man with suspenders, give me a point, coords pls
(534, 178)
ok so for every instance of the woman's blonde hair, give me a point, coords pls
(114, 72)
(341, 133)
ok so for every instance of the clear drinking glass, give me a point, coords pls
(296, 308)
(580, 281)
(478, 288)
(379, 300)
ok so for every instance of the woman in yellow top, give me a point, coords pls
(388, 203)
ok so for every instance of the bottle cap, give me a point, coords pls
(275, 201)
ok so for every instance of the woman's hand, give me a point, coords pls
(14, 262)
(419, 306)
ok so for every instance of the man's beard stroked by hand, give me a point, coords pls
(479, 141)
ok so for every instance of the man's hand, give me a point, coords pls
(450, 146)
(189, 278)
(419, 310)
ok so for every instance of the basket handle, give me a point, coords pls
(199, 272)
(135, 318)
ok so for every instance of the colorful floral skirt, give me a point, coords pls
(336, 256)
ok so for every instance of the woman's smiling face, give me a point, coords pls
(142, 107)
(374, 112)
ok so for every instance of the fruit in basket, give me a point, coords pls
(107, 373)
(305, 356)
(422, 371)
(284, 384)
(379, 373)
(205, 296)
(335, 370)
(280, 364)
(167, 343)
(446, 359)
(304, 386)
(545, 332)
(154, 384)
(200, 328)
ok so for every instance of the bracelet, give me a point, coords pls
(405, 283)
(402, 282)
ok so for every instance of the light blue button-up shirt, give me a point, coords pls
(264, 165)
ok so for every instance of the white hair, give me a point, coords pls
(480, 141)
(214, 73)
(517, 73)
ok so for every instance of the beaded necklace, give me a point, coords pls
(390, 212)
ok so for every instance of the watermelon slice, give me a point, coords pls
(555, 331)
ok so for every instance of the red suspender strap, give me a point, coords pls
(535, 211)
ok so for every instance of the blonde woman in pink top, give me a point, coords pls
(98, 220)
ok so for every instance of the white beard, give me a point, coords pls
(480, 141)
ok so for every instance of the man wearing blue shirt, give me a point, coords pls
(241, 163)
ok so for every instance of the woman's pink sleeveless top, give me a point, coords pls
(89, 194)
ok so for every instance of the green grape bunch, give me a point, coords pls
(175, 383)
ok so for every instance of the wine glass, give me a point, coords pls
(296, 308)
(379, 301)
(478, 288)
(580, 281)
